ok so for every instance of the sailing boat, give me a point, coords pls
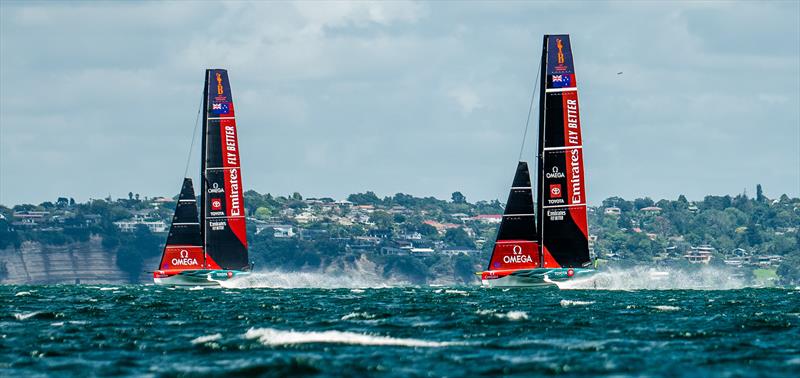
(211, 248)
(548, 246)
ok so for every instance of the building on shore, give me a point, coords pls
(699, 255)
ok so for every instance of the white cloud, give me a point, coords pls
(427, 98)
(466, 98)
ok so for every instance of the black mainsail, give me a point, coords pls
(222, 199)
(561, 208)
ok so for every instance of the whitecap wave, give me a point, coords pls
(275, 337)
(207, 338)
(22, 293)
(358, 315)
(26, 315)
(514, 315)
(666, 308)
(511, 315)
(568, 303)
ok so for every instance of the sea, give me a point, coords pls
(349, 329)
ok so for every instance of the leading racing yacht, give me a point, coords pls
(548, 245)
(208, 249)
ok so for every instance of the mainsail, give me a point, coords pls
(561, 209)
(184, 248)
(222, 199)
(517, 244)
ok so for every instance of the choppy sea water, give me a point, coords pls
(402, 331)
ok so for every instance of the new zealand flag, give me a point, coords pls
(220, 108)
(562, 81)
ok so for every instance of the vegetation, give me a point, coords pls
(760, 231)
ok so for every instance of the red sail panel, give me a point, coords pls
(182, 257)
(562, 215)
(225, 236)
(514, 254)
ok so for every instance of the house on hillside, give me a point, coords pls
(699, 255)
(488, 218)
(651, 210)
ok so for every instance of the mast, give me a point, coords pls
(203, 181)
(539, 166)
(224, 229)
(561, 183)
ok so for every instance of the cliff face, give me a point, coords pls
(90, 263)
(87, 263)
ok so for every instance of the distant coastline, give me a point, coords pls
(401, 238)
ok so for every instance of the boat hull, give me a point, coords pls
(200, 277)
(540, 277)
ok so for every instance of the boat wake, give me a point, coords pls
(298, 280)
(276, 337)
(647, 278)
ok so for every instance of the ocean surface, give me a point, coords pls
(138, 330)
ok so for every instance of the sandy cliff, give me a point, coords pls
(87, 262)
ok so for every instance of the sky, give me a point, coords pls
(333, 98)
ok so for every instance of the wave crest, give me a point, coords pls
(274, 337)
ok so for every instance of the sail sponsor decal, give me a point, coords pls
(220, 103)
(559, 55)
(555, 190)
(575, 186)
(564, 173)
(216, 205)
(572, 123)
(562, 123)
(565, 238)
(230, 143)
(514, 254)
(182, 258)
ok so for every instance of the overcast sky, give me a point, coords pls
(420, 98)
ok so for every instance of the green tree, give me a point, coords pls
(382, 219)
(457, 197)
(263, 213)
(457, 237)
(641, 203)
(368, 198)
(427, 230)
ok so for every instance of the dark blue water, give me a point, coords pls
(153, 331)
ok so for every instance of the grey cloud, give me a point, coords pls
(100, 98)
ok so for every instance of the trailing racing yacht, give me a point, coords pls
(548, 246)
(211, 248)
